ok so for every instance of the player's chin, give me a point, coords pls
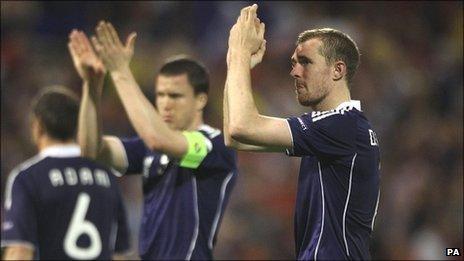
(303, 99)
(170, 124)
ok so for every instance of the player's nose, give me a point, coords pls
(295, 72)
(168, 104)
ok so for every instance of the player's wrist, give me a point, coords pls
(92, 90)
(120, 72)
(240, 57)
(238, 52)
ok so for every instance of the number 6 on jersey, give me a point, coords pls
(80, 226)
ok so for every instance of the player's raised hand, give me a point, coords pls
(257, 57)
(113, 53)
(244, 36)
(88, 65)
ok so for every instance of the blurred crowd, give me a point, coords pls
(410, 84)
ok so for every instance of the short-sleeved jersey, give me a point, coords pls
(338, 184)
(183, 207)
(64, 207)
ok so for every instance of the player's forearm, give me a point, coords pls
(89, 132)
(124, 257)
(144, 118)
(18, 253)
(228, 140)
(242, 109)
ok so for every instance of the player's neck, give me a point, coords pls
(45, 142)
(197, 122)
(337, 96)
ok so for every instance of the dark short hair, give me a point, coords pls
(196, 72)
(336, 46)
(57, 109)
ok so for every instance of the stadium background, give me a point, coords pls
(410, 84)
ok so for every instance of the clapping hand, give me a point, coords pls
(113, 53)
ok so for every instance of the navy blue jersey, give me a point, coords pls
(64, 207)
(338, 184)
(183, 207)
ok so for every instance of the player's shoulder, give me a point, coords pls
(345, 111)
(210, 132)
(27, 167)
(215, 139)
(23, 173)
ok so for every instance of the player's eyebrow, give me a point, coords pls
(302, 58)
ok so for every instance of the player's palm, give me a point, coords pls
(113, 53)
(93, 69)
(86, 62)
(248, 34)
(244, 37)
(257, 57)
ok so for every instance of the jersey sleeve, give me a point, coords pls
(219, 158)
(135, 150)
(329, 137)
(20, 224)
(198, 147)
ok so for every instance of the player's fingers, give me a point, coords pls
(87, 43)
(243, 11)
(101, 35)
(243, 14)
(107, 32)
(97, 46)
(72, 52)
(247, 14)
(82, 42)
(252, 13)
(262, 29)
(257, 25)
(113, 34)
(263, 46)
(71, 34)
(99, 49)
(71, 37)
(130, 42)
(74, 38)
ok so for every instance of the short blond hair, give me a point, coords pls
(336, 46)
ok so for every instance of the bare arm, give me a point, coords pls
(128, 256)
(148, 124)
(107, 150)
(230, 142)
(246, 125)
(18, 253)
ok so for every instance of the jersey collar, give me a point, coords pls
(352, 103)
(61, 151)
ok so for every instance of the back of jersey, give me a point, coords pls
(65, 208)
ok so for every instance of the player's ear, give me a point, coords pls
(37, 129)
(338, 70)
(201, 100)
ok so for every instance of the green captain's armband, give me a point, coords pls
(197, 150)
